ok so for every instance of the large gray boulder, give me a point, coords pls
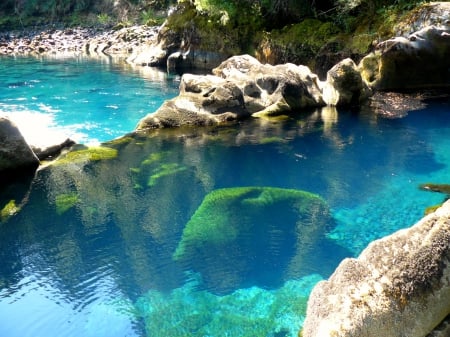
(419, 61)
(203, 100)
(269, 89)
(240, 87)
(16, 155)
(398, 286)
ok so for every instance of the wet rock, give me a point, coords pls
(398, 286)
(179, 62)
(16, 156)
(121, 42)
(203, 100)
(50, 152)
(155, 52)
(271, 90)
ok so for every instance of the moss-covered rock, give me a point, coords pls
(298, 43)
(65, 201)
(87, 154)
(8, 210)
(218, 241)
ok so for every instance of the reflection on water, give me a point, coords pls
(91, 251)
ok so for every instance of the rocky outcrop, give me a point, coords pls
(418, 58)
(242, 87)
(344, 85)
(418, 62)
(16, 156)
(52, 151)
(116, 42)
(398, 286)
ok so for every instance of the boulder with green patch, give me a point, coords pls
(258, 233)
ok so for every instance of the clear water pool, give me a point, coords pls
(87, 100)
(92, 250)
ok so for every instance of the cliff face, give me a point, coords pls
(398, 286)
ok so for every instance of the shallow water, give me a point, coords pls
(93, 249)
(94, 100)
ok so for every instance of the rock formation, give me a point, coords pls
(16, 155)
(420, 61)
(218, 241)
(242, 87)
(398, 286)
(418, 57)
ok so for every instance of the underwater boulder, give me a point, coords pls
(258, 235)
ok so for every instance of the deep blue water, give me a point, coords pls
(92, 250)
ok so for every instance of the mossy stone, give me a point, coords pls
(65, 201)
(234, 232)
(8, 210)
(88, 154)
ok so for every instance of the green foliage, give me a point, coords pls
(236, 23)
(150, 18)
(298, 43)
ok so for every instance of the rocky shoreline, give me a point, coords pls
(121, 42)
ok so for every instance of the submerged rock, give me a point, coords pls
(398, 286)
(16, 156)
(219, 239)
(441, 188)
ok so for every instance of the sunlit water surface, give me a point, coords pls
(92, 251)
(87, 100)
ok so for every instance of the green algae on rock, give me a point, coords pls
(87, 154)
(163, 171)
(287, 223)
(440, 188)
(65, 201)
(8, 210)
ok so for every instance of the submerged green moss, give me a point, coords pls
(66, 201)
(88, 154)
(163, 171)
(248, 312)
(226, 213)
(155, 157)
(8, 210)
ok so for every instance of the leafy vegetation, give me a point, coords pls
(276, 31)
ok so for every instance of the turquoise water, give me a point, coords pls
(94, 249)
(87, 100)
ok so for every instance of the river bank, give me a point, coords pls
(49, 40)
